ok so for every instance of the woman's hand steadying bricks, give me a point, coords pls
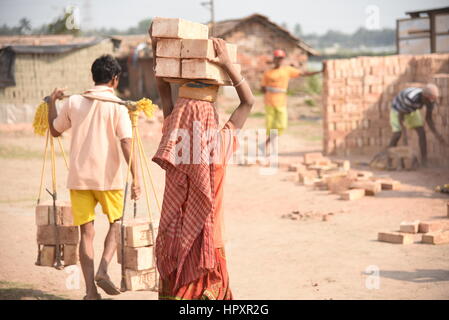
(221, 50)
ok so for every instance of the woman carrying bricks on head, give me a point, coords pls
(274, 86)
(189, 247)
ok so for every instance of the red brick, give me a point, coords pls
(47, 256)
(396, 237)
(137, 259)
(311, 158)
(307, 178)
(70, 255)
(204, 49)
(140, 280)
(203, 69)
(390, 185)
(138, 233)
(409, 227)
(179, 29)
(371, 187)
(45, 215)
(353, 194)
(433, 226)
(168, 67)
(169, 48)
(440, 237)
(67, 235)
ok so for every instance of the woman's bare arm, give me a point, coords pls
(246, 97)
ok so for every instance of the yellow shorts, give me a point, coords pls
(85, 201)
(276, 118)
(411, 121)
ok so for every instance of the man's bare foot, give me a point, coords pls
(104, 282)
(101, 275)
(95, 296)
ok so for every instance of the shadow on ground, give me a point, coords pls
(418, 276)
(16, 291)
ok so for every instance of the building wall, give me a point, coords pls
(357, 100)
(38, 74)
(256, 43)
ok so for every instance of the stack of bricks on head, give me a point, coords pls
(140, 270)
(183, 48)
(67, 233)
(336, 176)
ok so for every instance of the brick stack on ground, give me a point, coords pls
(183, 50)
(67, 233)
(140, 271)
(357, 98)
(434, 232)
(337, 177)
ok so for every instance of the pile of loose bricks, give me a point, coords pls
(140, 270)
(336, 176)
(429, 232)
(51, 233)
(183, 50)
(357, 99)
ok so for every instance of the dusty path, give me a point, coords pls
(269, 257)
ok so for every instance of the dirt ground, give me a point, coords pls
(269, 256)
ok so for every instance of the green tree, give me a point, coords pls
(24, 26)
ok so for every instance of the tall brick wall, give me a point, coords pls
(38, 74)
(357, 99)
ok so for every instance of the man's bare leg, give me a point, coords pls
(422, 144)
(395, 139)
(86, 252)
(110, 246)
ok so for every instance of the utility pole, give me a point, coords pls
(210, 4)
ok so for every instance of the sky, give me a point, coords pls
(315, 16)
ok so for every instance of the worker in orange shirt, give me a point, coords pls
(274, 86)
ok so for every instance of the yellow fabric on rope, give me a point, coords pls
(40, 122)
(146, 106)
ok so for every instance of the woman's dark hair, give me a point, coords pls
(105, 68)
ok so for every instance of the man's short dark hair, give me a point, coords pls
(105, 68)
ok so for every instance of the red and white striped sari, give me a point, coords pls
(185, 238)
